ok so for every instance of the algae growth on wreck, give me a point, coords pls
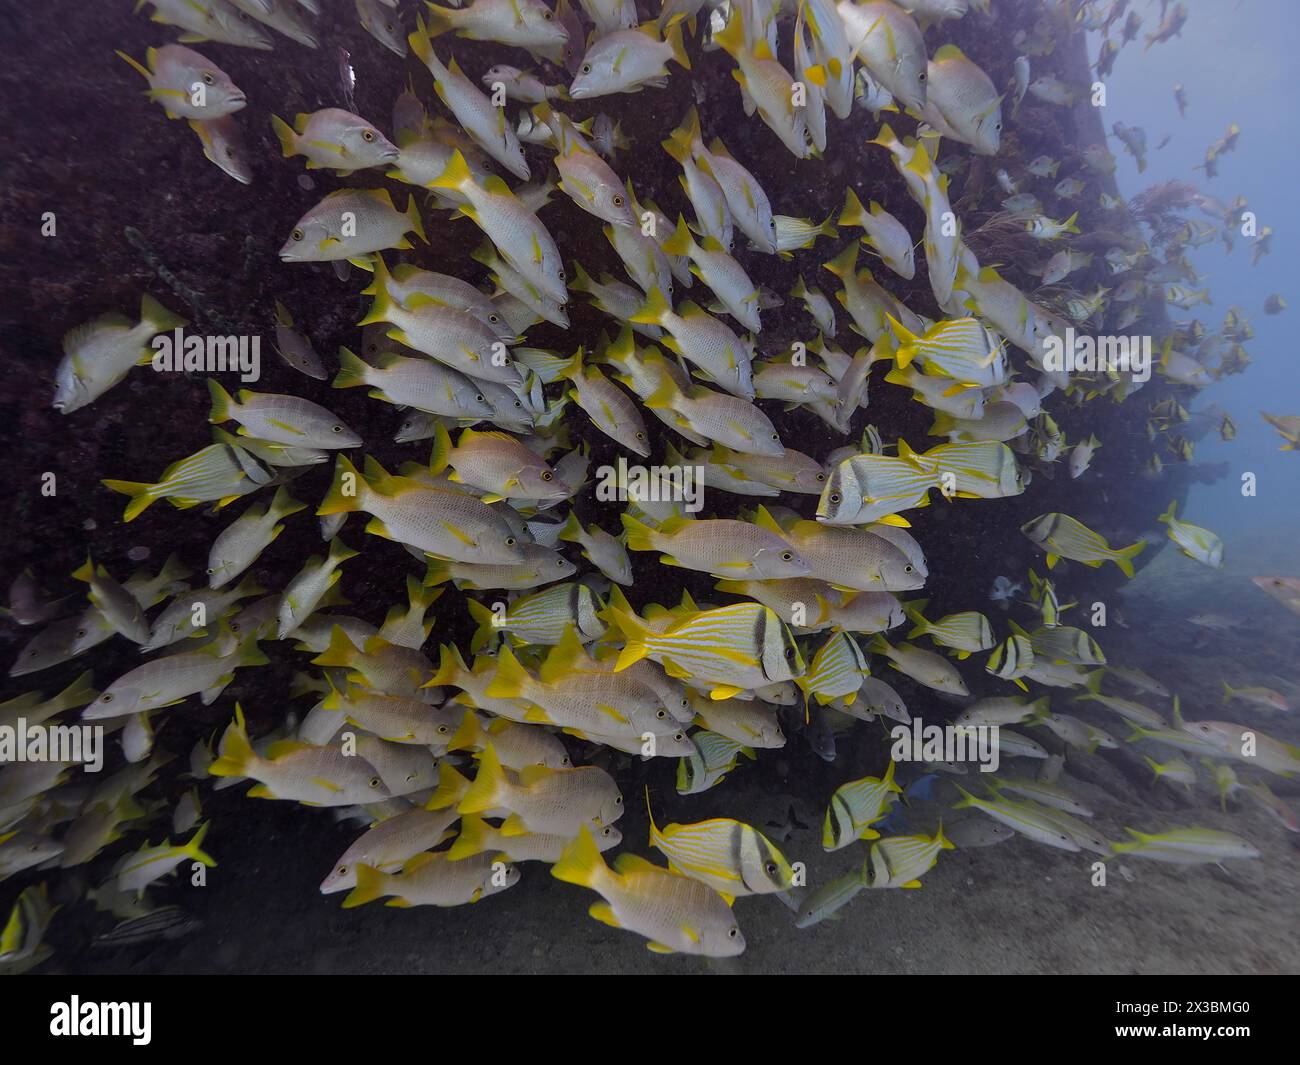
(811, 272)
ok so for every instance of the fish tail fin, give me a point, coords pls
(438, 572)
(1168, 516)
(383, 301)
(157, 317)
(653, 310)
(845, 264)
(636, 632)
(852, 214)
(1125, 556)
(581, 862)
(640, 537)
(221, 402)
(511, 680)
(486, 625)
(731, 38)
(943, 424)
(1227, 692)
(914, 611)
(441, 448)
(352, 370)
(192, 849)
(340, 552)
(237, 754)
(141, 495)
(471, 841)
(680, 243)
(450, 666)
(370, 881)
(344, 495)
(456, 175)
(967, 799)
(414, 223)
(674, 39)
(888, 779)
(944, 842)
(907, 340)
(470, 736)
(1069, 225)
(488, 786)
(440, 20)
(571, 530)
(285, 135)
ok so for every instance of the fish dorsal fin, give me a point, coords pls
(627, 864)
(764, 520)
(565, 657)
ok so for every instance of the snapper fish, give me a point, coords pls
(334, 138)
(186, 84)
(675, 913)
(628, 60)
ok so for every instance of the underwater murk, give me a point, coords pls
(499, 488)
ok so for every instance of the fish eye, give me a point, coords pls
(787, 556)
(821, 477)
(443, 729)
(107, 697)
(560, 562)
(560, 273)
(547, 475)
(661, 713)
(770, 868)
(835, 497)
(789, 652)
(565, 762)
(618, 201)
(234, 626)
(733, 932)
(685, 703)
(296, 234)
(640, 436)
(374, 782)
(342, 870)
(776, 436)
(367, 134)
(618, 800)
(510, 541)
(586, 68)
(548, 15)
(336, 428)
(211, 571)
(998, 126)
(208, 79)
(480, 398)
(494, 319)
(679, 736)
(921, 76)
(907, 569)
(606, 831)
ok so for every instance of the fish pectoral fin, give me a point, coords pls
(659, 948)
(674, 670)
(690, 933)
(604, 913)
(615, 714)
(724, 691)
(328, 785)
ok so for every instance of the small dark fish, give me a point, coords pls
(164, 923)
(26, 604)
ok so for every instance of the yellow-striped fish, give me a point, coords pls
(730, 648)
(836, 670)
(541, 618)
(1062, 536)
(961, 348)
(1194, 541)
(855, 807)
(716, 756)
(899, 861)
(1012, 659)
(965, 632)
(731, 857)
